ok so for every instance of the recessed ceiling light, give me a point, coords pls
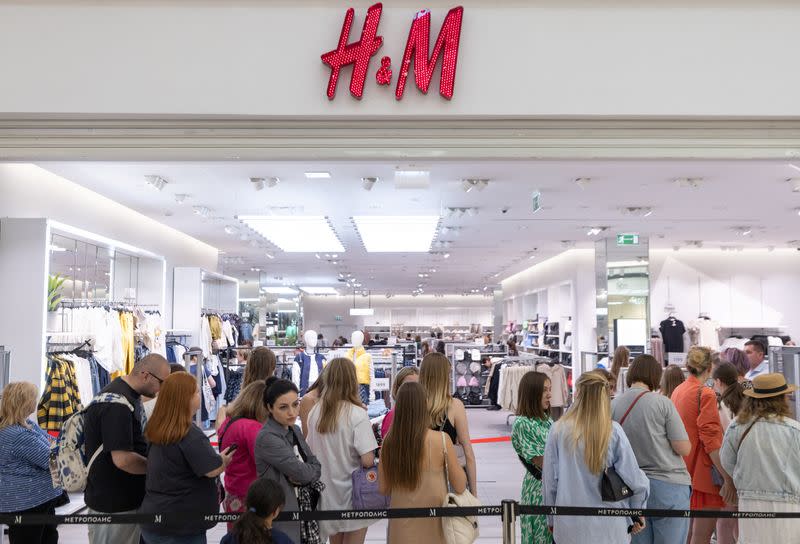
(294, 234)
(446, 255)
(594, 231)
(180, 198)
(397, 234)
(272, 181)
(269, 255)
(229, 229)
(583, 182)
(279, 290)
(319, 290)
(690, 183)
(257, 183)
(795, 183)
(318, 175)
(156, 182)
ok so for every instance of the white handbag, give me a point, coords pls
(462, 529)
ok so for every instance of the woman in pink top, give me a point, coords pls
(405, 374)
(245, 418)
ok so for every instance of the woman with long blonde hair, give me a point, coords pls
(340, 435)
(24, 465)
(412, 467)
(181, 464)
(580, 447)
(446, 413)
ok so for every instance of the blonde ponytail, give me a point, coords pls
(590, 420)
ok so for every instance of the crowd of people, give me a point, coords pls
(711, 440)
(675, 442)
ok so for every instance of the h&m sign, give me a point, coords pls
(360, 53)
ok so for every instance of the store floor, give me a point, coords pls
(499, 477)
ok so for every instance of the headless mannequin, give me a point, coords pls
(307, 364)
(363, 362)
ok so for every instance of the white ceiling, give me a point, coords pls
(491, 245)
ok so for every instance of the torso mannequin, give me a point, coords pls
(307, 364)
(363, 362)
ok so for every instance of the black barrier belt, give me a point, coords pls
(394, 513)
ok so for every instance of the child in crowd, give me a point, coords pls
(265, 500)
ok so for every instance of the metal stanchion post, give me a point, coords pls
(509, 517)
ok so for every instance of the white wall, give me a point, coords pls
(31, 192)
(575, 267)
(745, 288)
(424, 310)
(517, 58)
(23, 292)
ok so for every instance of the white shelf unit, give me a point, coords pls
(197, 290)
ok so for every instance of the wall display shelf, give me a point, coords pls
(197, 291)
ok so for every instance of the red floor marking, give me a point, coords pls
(491, 440)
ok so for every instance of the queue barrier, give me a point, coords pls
(508, 511)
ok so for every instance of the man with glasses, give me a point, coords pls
(116, 482)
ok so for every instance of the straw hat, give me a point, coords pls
(769, 385)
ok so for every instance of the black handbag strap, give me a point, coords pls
(222, 432)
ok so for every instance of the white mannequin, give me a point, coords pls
(310, 338)
(357, 340)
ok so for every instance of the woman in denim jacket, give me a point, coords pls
(761, 450)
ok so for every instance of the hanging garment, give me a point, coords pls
(672, 330)
(205, 336)
(363, 361)
(559, 391)
(227, 334)
(61, 398)
(707, 332)
(215, 324)
(234, 379)
(304, 372)
(657, 349)
(128, 353)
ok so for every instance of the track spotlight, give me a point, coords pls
(368, 183)
(257, 183)
(156, 182)
(474, 183)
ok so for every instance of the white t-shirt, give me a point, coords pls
(340, 455)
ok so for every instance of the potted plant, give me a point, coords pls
(54, 285)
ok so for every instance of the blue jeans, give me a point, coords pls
(665, 496)
(155, 538)
(363, 391)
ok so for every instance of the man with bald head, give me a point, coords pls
(115, 422)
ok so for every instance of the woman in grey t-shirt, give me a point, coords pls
(659, 441)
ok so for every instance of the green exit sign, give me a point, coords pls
(627, 239)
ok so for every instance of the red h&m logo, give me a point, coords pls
(361, 52)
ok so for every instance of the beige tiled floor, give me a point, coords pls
(499, 477)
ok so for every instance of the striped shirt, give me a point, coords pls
(24, 468)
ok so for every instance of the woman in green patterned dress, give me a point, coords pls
(528, 438)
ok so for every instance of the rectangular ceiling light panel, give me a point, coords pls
(279, 290)
(295, 234)
(397, 234)
(319, 290)
(412, 179)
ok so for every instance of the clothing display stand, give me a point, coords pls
(469, 374)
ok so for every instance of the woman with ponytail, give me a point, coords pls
(265, 500)
(580, 447)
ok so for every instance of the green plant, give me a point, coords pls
(54, 284)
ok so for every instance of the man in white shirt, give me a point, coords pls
(755, 356)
